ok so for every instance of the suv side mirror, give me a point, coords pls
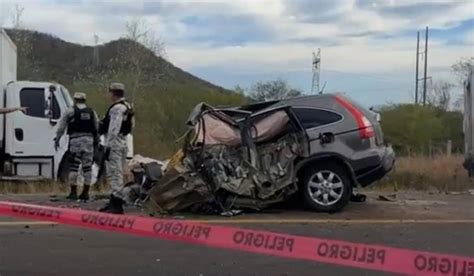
(326, 137)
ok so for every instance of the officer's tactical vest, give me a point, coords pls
(83, 121)
(127, 124)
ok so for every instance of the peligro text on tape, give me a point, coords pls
(179, 229)
(101, 220)
(365, 256)
(260, 240)
(36, 211)
(361, 254)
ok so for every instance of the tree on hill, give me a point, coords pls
(441, 95)
(239, 90)
(135, 59)
(273, 90)
(463, 67)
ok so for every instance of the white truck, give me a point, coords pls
(26, 138)
(27, 150)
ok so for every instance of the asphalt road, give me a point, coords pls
(60, 250)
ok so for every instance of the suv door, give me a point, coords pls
(294, 122)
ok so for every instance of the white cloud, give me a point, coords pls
(68, 22)
(469, 38)
(349, 31)
(357, 55)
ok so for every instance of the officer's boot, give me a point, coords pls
(114, 206)
(85, 193)
(73, 194)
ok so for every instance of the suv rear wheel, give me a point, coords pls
(326, 187)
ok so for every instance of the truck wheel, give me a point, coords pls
(326, 188)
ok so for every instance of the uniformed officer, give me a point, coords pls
(116, 125)
(82, 127)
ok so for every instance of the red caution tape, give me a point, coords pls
(366, 256)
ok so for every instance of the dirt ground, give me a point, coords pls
(407, 205)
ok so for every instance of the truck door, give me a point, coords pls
(30, 134)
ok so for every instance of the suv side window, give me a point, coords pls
(310, 117)
(33, 98)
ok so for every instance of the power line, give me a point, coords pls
(424, 54)
(364, 75)
(417, 61)
(426, 66)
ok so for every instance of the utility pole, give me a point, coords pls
(417, 66)
(426, 66)
(421, 98)
(316, 72)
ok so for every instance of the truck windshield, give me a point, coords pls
(67, 97)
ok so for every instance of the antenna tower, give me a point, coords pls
(316, 72)
(95, 56)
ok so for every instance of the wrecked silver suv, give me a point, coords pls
(255, 156)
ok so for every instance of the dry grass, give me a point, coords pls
(440, 173)
(23, 187)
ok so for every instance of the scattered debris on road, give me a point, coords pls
(391, 197)
(358, 198)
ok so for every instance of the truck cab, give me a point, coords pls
(26, 138)
(28, 149)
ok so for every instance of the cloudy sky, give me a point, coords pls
(368, 46)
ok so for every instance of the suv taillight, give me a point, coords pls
(366, 130)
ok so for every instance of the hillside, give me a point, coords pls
(162, 93)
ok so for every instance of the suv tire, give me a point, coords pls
(326, 187)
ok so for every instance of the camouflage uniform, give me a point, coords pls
(117, 144)
(81, 147)
(82, 153)
(116, 125)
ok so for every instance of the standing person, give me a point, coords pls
(82, 126)
(116, 125)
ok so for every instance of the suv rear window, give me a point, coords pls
(310, 117)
